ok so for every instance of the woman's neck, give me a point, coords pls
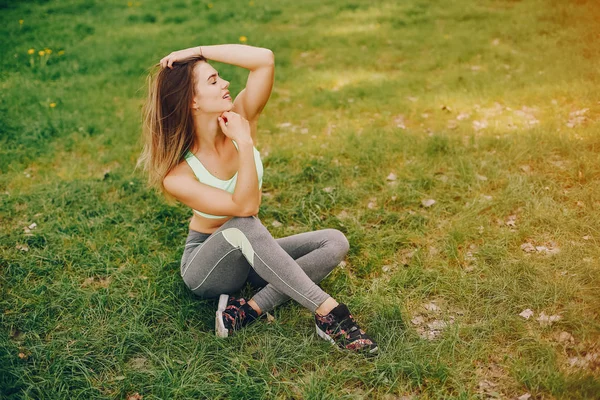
(209, 135)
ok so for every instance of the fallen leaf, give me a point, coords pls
(389, 267)
(406, 256)
(528, 248)
(525, 396)
(527, 313)
(437, 324)
(577, 118)
(566, 337)
(391, 177)
(22, 247)
(525, 168)
(418, 320)
(270, 318)
(343, 215)
(547, 320)
(590, 360)
(135, 396)
(431, 307)
(512, 221)
(276, 224)
(372, 203)
(479, 125)
(427, 202)
(328, 189)
(138, 363)
(399, 121)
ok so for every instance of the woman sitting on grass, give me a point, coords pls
(199, 149)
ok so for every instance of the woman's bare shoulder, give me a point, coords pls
(181, 169)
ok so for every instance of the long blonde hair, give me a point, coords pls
(168, 124)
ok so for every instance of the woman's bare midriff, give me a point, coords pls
(206, 225)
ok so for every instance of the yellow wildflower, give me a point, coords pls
(243, 39)
(52, 105)
(41, 52)
(60, 53)
(210, 5)
(251, 3)
(30, 51)
(129, 4)
(48, 51)
(20, 22)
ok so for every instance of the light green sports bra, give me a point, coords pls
(208, 179)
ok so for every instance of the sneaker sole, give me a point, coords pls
(220, 329)
(374, 351)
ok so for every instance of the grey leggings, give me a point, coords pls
(242, 250)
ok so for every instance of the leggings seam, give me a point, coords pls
(191, 244)
(255, 253)
(215, 266)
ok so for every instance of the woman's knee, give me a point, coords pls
(338, 243)
(249, 225)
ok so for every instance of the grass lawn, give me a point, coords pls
(455, 143)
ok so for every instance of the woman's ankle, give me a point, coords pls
(326, 307)
(254, 306)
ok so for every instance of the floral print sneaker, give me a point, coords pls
(232, 315)
(341, 330)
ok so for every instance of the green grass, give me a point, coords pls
(95, 308)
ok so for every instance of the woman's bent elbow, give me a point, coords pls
(248, 211)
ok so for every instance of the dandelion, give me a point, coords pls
(52, 105)
(243, 39)
(21, 22)
(60, 53)
(129, 4)
(48, 51)
(210, 5)
(41, 53)
(30, 51)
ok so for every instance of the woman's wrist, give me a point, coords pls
(245, 142)
(199, 50)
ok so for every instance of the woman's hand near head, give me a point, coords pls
(237, 128)
(179, 55)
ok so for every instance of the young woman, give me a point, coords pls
(199, 149)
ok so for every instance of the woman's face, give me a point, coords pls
(209, 89)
